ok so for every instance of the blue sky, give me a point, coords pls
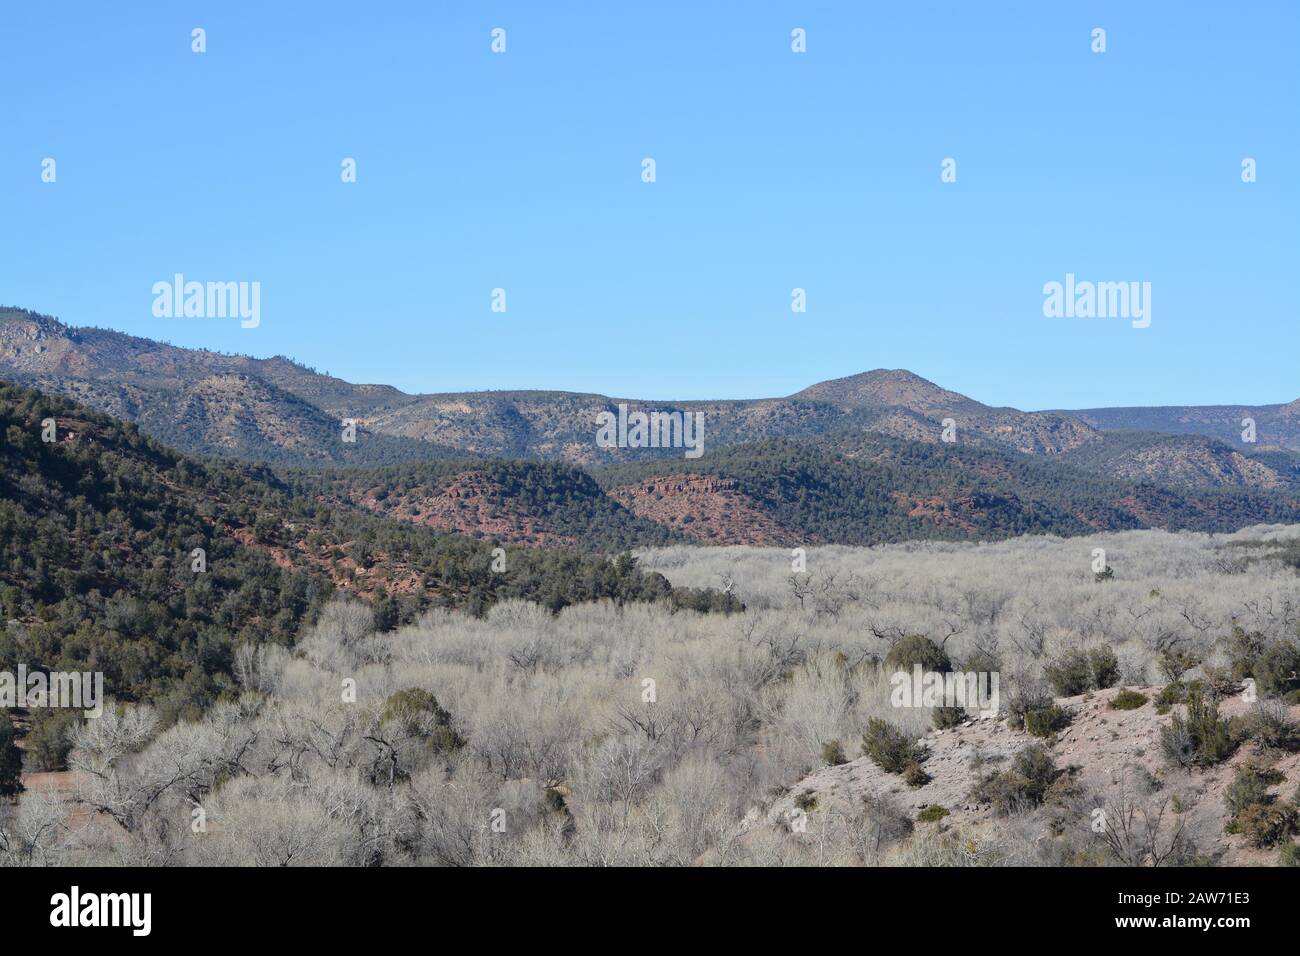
(775, 170)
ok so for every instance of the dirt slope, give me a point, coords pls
(1100, 742)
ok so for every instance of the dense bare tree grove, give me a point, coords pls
(644, 735)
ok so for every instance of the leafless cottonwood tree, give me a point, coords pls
(554, 755)
(1142, 827)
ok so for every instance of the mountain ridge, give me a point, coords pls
(279, 411)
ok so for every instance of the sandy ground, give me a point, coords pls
(1100, 742)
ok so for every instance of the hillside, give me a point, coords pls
(874, 469)
(1277, 426)
(1185, 461)
(868, 489)
(847, 488)
(1105, 750)
(522, 502)
(276, 410)
(97, 536)
(269, 410)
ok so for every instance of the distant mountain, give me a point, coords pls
(269, 410)
(1185, 461)
(276, 410)
(1276, 426)
(890, 388)
(39, 345)
(899, 403)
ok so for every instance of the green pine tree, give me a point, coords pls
(11, 759)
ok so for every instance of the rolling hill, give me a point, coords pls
(98, 535)
(1277, 426)
(524, 502)
(866, 488)
(859, 459)
(856, 488)
(1185, 461)
(269, 410)
(276, 410)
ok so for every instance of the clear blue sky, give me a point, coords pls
(775, 170)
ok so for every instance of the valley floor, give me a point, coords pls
(641, 735)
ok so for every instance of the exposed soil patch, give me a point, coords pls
(710, 509)
(940, 511)
(1099, 742)
(471, 503)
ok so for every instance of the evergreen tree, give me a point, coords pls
(11, 759)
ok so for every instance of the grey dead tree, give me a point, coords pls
(800, 589)
(1192, 614)
(984, 607)
(834, 591)
(1033, 634)
(35, 835)
(891, 634)
(954, 628)
(1141, 827)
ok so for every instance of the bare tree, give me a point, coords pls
(1141, 827)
